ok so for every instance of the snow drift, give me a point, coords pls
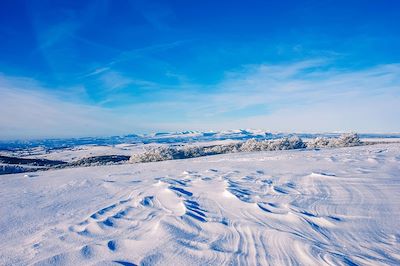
(325, 207)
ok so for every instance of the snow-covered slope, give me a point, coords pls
(327, 207)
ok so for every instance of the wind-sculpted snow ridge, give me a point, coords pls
(163, 153)
(294, 207)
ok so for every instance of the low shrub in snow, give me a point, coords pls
(273, 145)
(221, 149)
(344, 140)
(288, 143)
(154, 154)
(251, 145)
(163, 153)
(348, 140)
(319, 142)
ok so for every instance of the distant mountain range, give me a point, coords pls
(167, 137)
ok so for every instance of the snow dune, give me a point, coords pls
(326, 207)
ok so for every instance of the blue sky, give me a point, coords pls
(80, 68)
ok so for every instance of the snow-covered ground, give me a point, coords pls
(311, 207)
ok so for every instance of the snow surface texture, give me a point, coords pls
(311, 207)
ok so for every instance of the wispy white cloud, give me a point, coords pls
(29, 111)
(133, 54)
(113, 80)
(287, 86)
(306, 96)
(303, 96)
(97, 71)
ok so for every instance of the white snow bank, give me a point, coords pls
(307, 207)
